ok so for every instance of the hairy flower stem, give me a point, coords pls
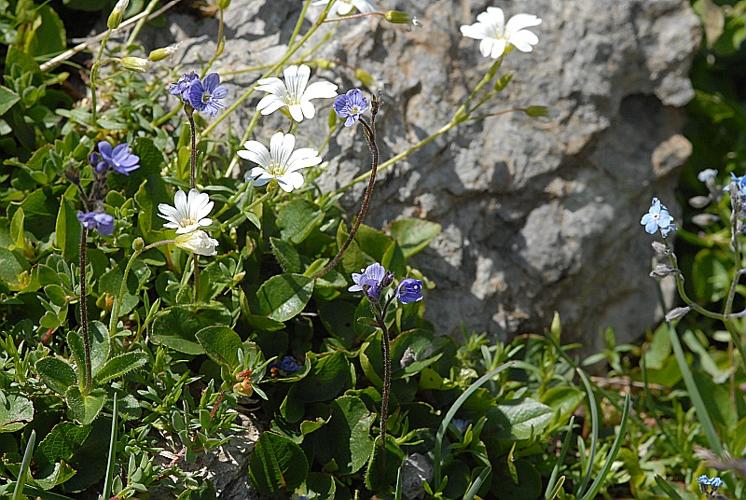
(370, 136)
(84, 308)
(380, 315)
(193, 181)
(94, 77)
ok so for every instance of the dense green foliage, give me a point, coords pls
(176, 368)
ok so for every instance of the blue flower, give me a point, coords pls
(707, 175)
(181, 88)
(119, 158)
(740, 183)
(371, 281)
(461, 424)
(709, 486)
(410, 290)
(205, 95)
(288, 365)
(658, 218)
(351, 106)
(100, 221)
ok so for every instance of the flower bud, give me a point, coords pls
(399, 17)
(224, 4)
(661, 271)
(163, 53)
(115, 18)
(703, 220)
(699, 201)
(136, 64)
(660, 248)
(138, 245)
(677, 313)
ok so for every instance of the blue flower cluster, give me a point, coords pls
(374, 278)
(202, 94)
(119, 159)
(98, 220)
(709, 486)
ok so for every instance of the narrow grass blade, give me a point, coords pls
(594, 432)
(667, 488)
(478, 482)
(112, 451)
(551, 492)
(397, 492)
(612, 452)
(452, 412)
(694, 395)
(21, 482)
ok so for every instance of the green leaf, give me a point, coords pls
(414, 235)
(277, 465)
(284, 296)
(221, 344)
(12, 270)
(49, 38)
(56, 374)
(8, 98)
(346, 438)
(85, 408)
(15, 412)
(99, 346)
(521, 419)
(120, 365)
(328, 377)
(177, 326)
(67, 231)
(286, 254)
(17, 235)
(564, 400)
(62, 442)
(297, 219)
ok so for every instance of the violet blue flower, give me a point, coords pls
(658, 218)
(709, 486)
(288, 365)
(371, 281)
(461, 424)
(100, 221)
(351, 106)
(205, 95)
(119, 158)
(409, 290)
(181, 87)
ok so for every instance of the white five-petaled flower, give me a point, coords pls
(344, 7)
(279, 162)
(189, 212)
(198, 242)
(496, 35)
(294, 92)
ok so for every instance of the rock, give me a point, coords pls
(538, 215)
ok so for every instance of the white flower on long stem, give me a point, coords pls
(198, 242)
(294, 92)
(344, 7)
(280, 162)
(189, 213)
(497, 36)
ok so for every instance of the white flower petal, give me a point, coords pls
(524, 40)
(519, 22)
(485, 46)
(498, 47)
(269, 104)
(303, 158)
(364, 6)
(343, 8)
(320, 90)
(273, 85)
(496, 17)
(255, 151)
(307, 109)
(296, 112)
(476, 31)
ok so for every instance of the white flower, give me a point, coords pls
(280, 162)
(293, 93)
(189, 213)
(344, 7)
(198, 242)
(496, 35)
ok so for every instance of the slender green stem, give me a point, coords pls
(299, 22)
(163, 119)
(141, 23)
(220, 44)
(735, 335)
(682, 290)
(361, 15)
(114, 319)
(370, 135)
(94, 77)
(292, 49)
(84, 308)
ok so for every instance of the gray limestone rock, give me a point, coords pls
(538, 215)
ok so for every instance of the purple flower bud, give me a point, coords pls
(181, 88)
(351, 106)
(289, 365)
(410, 290)
(100, 221)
